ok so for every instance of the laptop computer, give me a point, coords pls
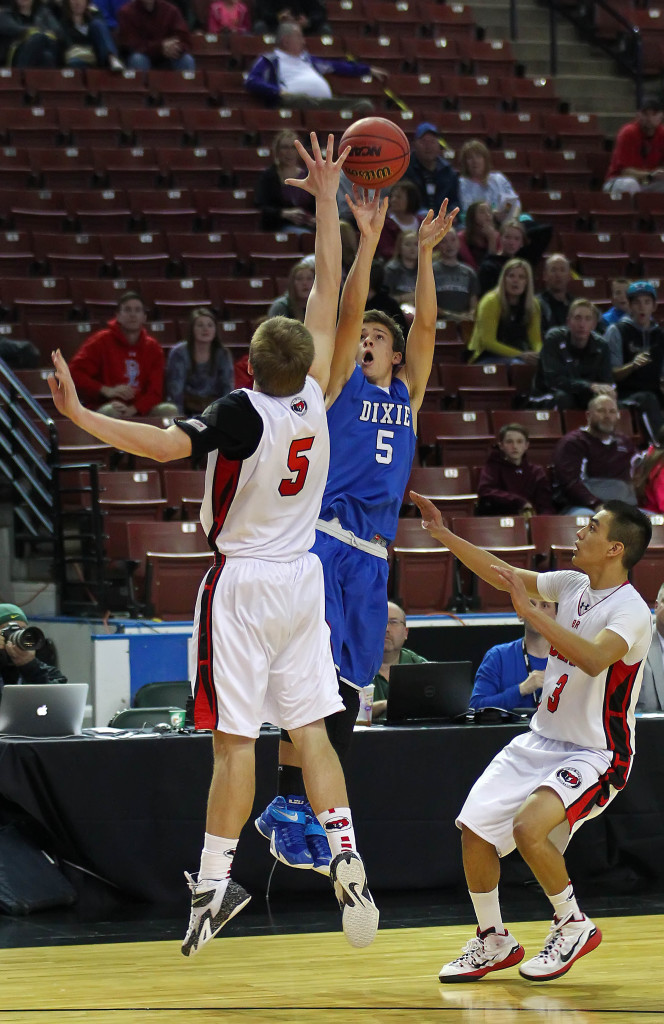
(44, 709)
(434, 691)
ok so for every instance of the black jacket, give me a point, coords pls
(563, 367)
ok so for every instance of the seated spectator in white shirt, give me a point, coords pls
(477, 183)
(291, 77)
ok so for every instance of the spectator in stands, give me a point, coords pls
(109, 11)
(636, 343)
(30, 35)
(153, 33)
(574, 364)
(87, 41)
(637, 161)
(291, 77)
(380, 298)
(394, 653)
(17, 665)
(293, 303)
(651, 697)
(310, 15)
(456, 284)
(478, 183)
(509, 484)
(555, 300)
(511, 675)
(243, 378)
(479, 237)
(284, 207)
(228, 16)
(433, 176)
(593, 464)
(401, 271)
(620, 307)
(648, 477)
(507, 322)
(512, 241)
(199, 370)
(404, 202)
(119, 371)
(19, 354)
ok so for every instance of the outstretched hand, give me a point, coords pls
(517, 591)
(322, 179)
(432, 518)
(433, 229)
(62, 387)
(369, 213)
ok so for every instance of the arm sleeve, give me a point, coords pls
(262, 80)
(232, 425)
(567, 461)
(86, 369)
(37, 671)
(350, 69)
(491, 688)
(613, 339)
(153, 380)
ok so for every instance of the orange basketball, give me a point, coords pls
(379, 154)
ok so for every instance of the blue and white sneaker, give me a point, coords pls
(283, 822)
(317, 843)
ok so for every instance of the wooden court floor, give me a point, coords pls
(269, 979)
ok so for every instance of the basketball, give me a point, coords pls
(379, 154)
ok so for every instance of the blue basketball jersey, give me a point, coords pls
(372, 444)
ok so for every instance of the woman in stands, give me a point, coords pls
(401, 270)
(293, 303)
(507, 324)
(200, 369)
(479, 237)
(284, 207)
(478, 183)
(88, 42)
(30, 35)
(404, 202)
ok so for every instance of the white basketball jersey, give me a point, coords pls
(593, 711)
(266, 505)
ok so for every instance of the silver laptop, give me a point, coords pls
(45, 709)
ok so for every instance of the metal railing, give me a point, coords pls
(626, 48)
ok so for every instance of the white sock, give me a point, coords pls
(217, 858)
(565, 904)
(338, 825)
(487, 910)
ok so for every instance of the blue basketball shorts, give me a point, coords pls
(355, 607)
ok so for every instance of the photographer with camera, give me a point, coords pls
(19, 643)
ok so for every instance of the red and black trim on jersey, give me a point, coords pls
(206, 710)
(224, 486)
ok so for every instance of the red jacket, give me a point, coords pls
(634, 149)
(141, 31)
(504, 488)
(107, 359)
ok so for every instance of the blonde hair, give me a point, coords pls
(293, 301)
(401, 237)
(528, 295)
(281, 353)
(468, 149)
(285, 135)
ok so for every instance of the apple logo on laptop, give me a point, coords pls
(42, 710)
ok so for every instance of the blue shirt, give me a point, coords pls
(497, 681)
(372, 444)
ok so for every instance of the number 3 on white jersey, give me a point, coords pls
(384, 449)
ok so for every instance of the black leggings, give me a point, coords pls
(340, 725)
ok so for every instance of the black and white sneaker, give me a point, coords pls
(566, 942)
(359, 914)
(212, 905)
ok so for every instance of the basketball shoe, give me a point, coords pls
(283, 823)
(565, 943)
(212, 905)
(359, 913)
(317, 843)
(488, 951)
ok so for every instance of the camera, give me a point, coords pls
(26, 638)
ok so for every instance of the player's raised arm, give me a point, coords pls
(422, 334)
(481, 562)
(370, 216)
(322, 181)
(135, 438)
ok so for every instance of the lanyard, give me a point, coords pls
(526, 657)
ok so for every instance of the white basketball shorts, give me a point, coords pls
(585, 780)
(261, 647)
